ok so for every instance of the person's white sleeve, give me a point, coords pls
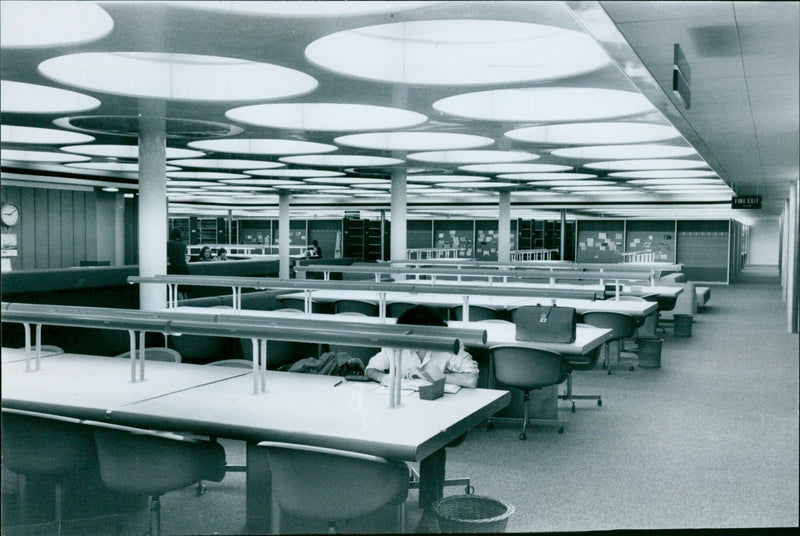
(379, 361)
(462, 362)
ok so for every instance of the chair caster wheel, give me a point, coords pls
(469, 490)
(523, 436)
(561, 430)
(573, 408)
(599, 402)
(201, 490)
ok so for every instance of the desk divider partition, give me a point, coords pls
(298, 330)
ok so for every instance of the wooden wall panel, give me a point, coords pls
(27, 232)
(91, 226)
(67, 229)
(42, 239)
(54, 227)
(79, 220)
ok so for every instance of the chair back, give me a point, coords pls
(476, 313)
(356, 306)
(45, 447)
(157, 354)
(394, 310)
(235, 363)
(527, 368)
(331, 485)
(622, 325)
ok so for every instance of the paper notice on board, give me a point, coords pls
(618, 236)
(590, 242)
(601, 235)
(637, 240)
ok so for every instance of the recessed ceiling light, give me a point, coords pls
(413, 141)
(189, 183)
(346, 180)
(40, 156)
(234, 188)
(295, 173)
(260, 146)
(35, 135)
(627, 152)
(325, 117)
(545, 104)
(110, 189)
(587, 189)
(472, 157)
(261, 182)
(300, 8)
(489, 185)
(439, 179)
(303, 186)
(50, 24)
(514, 168)
(458, 52)
(545, 176)
(571, 183)
(185, 77)
(663, 174)
(114, 166)
(686, 187)
(341, 160)
(204, 175)
(227, 163)
(22, 98)
(655, 182)
(124, 151)
(594, 133)
(128, 125)
(651, 164)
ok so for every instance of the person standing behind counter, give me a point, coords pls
(205, 255)
(458, 369)
(176, 254)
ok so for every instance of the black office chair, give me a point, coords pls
(580, 362)
(528, 369)
(476, 313)
(622, 326)
(356, 306)
(394, 310)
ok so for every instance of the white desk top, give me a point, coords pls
(300, 408)
(635, 308)
(10, 355)
(82, 385)
(586, 337)
(633, 290)
(311, 409)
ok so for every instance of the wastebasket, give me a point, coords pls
(682, 325)
(650, 352)
(472, 513)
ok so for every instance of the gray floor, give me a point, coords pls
(709, 440)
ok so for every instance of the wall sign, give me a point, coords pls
(747, 201)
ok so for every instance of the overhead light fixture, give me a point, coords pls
(413, 141)
(531, 177)
(594, 133)
(514, 168)
(41, 136)
(40, 156)
(114, 166)
(204, 175)
(663, 174)
(472, 157)
(341, 160)
(124, 151)
(294, 173)
(262, 146)
(646, 164)
(110, 189)
(23, 98)
(325, 117)
(625, 152)
(51, 24)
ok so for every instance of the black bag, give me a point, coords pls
(546, 323)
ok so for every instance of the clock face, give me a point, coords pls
(10, 214)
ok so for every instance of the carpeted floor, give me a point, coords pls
(709, 440)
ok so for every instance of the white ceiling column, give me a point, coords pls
(504, 227)
(284, 198)
(152, 201)
(399, 211)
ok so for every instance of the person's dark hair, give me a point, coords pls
(222, 250)
(314, 243)
(203, 251)
(421, 315)
(175, 234)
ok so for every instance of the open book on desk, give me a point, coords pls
(414, 384)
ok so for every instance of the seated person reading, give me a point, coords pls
(458, 369)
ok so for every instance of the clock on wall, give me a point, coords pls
(10, 214)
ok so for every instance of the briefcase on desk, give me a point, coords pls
(546, 323)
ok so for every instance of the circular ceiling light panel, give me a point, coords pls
(128, 125)
(185, 184)
(595, 133)
(663, 174)
(114, 166)
(440, 179)
(263, 146)
(655, 182)
(325, 117)
(311, 9)
(515, 168)
(42, 136)
(697, 187)
(55, 23)
(587, 189)
(488, 185)
(346, 180)
(204, 175)
(572, 183)
(413, 141)
(545, 104)
(179, 77)
(226, 163)
(472, 157)
(234, 188)
(545, 176)
(40, 156)
(295, 173)
(303, 186)
(261, 182)
(625, 152)
(19, 97)
(125, 151)
(652, 164)
(341, 160)
(458, 52)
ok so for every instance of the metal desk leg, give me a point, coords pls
(258, 506)
(431, 478)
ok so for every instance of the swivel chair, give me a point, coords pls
(45, 446)
(622, 327)
(580, 362)
(334, 486)
(156, 353)
(356, 306)
(476, 313)
(143, 462)
(395, 309)
(528, 369)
